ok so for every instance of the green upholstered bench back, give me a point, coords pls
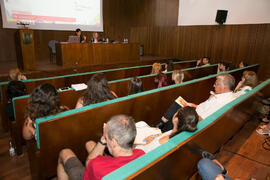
(148, 158)
(66, 113)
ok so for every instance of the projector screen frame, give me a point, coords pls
(57, 27)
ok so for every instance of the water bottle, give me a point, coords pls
(11, 149)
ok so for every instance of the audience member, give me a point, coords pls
(205, 61)
(118, 136)
(185, 119)
(248, 82)
(242, 64)
(212, 169)
(156, 68)
(135, 86)
(161, 80)
(169, 66)
(15, 74)
(97, 91)
(222, 67)
(14, 89)
(224, 87)
(265, 129)
(177, 76)
(82, 37)
(44, 101)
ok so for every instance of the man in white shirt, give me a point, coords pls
(224, 86)
(223, 94)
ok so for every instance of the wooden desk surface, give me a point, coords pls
(70, 54)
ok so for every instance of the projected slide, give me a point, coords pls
(53, 14)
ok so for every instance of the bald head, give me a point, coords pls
(224, 83)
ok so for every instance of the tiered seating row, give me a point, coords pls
(120, 87)
(68, 80)
(174, 159)
(73, 128)
(81, 69)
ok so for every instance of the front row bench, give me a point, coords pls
(175, 159)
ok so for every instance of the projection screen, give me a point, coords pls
(53, 14)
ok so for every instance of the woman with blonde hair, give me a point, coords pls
(156, 68)
(248, 82)
(177, 76)
(15, 74)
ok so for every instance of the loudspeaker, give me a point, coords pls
(221, 16)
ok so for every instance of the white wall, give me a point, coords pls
(203, 12)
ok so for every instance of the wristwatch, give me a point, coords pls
(102, 143)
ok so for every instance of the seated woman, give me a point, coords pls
(156, 68)
(185, 119)
(44, 101)
(15, 74)
(160, 80)
(14, 89)
(169, 66)
(248, 82)
(97, 91)
(177, 76)
(135, 86)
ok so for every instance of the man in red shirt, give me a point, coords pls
(118, 135)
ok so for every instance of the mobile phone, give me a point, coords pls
(64, 88)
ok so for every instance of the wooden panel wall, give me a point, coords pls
(153, 23)
(155, 26)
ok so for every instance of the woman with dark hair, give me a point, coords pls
(14, 89)
(97, 91)
(161, 80)
(185, 119)
(169, 66)
(44, 101)
(222, 67)
(135, 86)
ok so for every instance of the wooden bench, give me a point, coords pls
(81, 69)
(71, 129)
(68, 80)
(118, 86)
(176, 159)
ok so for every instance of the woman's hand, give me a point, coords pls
(192, 105)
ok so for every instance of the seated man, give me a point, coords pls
(118, 135)
(205, 61)
(78, 33)
(224, 87)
